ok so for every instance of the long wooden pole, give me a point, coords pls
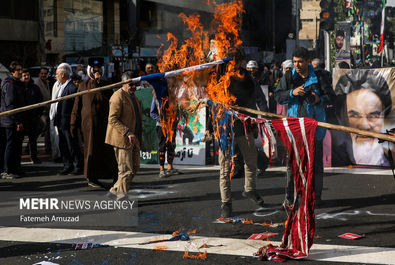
(136, 79)
(330, 126)
(41, 104)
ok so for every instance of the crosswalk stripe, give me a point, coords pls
(224, 246)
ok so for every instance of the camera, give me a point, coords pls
(309, 95)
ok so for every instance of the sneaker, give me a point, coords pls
(253, 197)
(162, 174)
(117, 196)
(65, 171)
(10, 176)
(226, 210)
(288, 206)
(173, 171)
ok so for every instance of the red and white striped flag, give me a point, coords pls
(380, 49)
(298, 137)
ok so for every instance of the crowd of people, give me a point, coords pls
(110, 122)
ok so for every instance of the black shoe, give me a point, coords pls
(226, 210)
(77, 172)
(111, 196)
(65, 171)
(94, 183)
(253, 197)
(58, 160)
(238, 174)
(319, 203)
(36, 161)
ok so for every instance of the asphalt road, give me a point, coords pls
(359, 201)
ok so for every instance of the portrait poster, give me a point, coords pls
(364, 100)
(342, 45)
(149, 148)
(189, 148)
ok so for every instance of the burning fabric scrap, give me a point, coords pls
(199, 255)
(177, 235)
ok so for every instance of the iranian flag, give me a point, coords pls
(380, 49)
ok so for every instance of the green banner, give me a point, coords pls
(149, 149)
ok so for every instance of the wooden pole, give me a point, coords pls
(41, 104)
(330, 126)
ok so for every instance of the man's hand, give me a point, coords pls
(19, 127)
(97, 76)
(132, 138)
(299, 91)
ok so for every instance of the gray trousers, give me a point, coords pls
(318, 173)
(248, 150)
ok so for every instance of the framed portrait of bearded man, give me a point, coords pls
(364, 100)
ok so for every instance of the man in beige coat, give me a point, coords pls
(124, 133)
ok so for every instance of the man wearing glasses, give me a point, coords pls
(12, 97)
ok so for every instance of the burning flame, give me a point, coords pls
(194, 86)
(192, 232)
(248, 221)
(160, 248)
(267, 224)
(199, 255)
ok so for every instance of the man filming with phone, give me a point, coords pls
(305, 92)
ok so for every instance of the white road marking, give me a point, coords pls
(225, 246)
(339, 214)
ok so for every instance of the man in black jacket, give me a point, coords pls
(243, 89)
(32, 120)
(68, 145)
(12, 97)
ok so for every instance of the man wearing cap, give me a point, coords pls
(363, 102)
(90, 114)
(261, 101)
(287, 65)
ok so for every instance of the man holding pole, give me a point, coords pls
(304, 90)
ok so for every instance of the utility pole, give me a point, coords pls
(297, 23)
(274, 25)
(327, 49)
